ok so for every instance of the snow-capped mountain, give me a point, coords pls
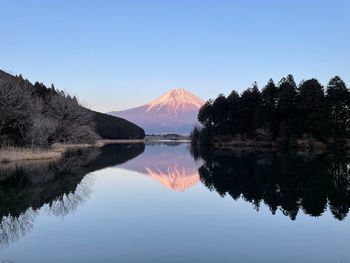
(174, 167)
(174, 112)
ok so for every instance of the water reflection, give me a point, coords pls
(173, 166)
(59, 186)
(287, 181)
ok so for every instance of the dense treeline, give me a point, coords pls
(111, 127)
(282, 181)
(283, 112)
(40, 116)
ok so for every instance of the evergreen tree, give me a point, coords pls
(338, 105)
(249, 110)
(287, 93)
(269, 96)
(284, 112)
(205, 114)
(220, 115)
(233, 106)
(311, 109)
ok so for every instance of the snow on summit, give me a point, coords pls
(176, 100)
(174, 112)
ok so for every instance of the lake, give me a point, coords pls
(164, 202)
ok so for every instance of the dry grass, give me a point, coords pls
(16, 154)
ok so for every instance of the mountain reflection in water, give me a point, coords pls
(58, 186)
(169, 164)
(287, 181)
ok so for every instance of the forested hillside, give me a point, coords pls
(111, 127)
(284, 112)
(40, 116)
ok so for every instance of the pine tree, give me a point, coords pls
(287, 93)
(269, 96)
(338, 106)
(312, 119)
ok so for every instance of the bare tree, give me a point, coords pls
(32, 119)
(15, 110)
(42, 126)
(13, 228)
(41, 130)
(73, 123)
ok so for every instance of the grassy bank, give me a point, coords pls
(14, 154)
(17, 154)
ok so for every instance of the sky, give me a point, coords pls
(115, 55)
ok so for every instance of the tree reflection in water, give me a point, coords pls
(60, 187)
(12, 228)
(286, 181)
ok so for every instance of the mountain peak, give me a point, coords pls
(174, 112)
(176, 100)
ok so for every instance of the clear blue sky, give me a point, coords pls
(120, 54)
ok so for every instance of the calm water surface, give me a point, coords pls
(161, 203)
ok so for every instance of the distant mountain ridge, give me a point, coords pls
(174, 112)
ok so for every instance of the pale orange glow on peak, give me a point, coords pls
(176, 100)
(175, 178)
(173, 167)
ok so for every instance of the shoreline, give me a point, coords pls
(23, 154)
(56, 151)
(102, 142)
(300, 145)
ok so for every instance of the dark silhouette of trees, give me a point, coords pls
(111, 127)
(269, 99)
(233, 107)
(283, 181)
(311, 109)
(287, 93)
(249, 110)
(205, 114)
(282, 113)
(338, 106)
